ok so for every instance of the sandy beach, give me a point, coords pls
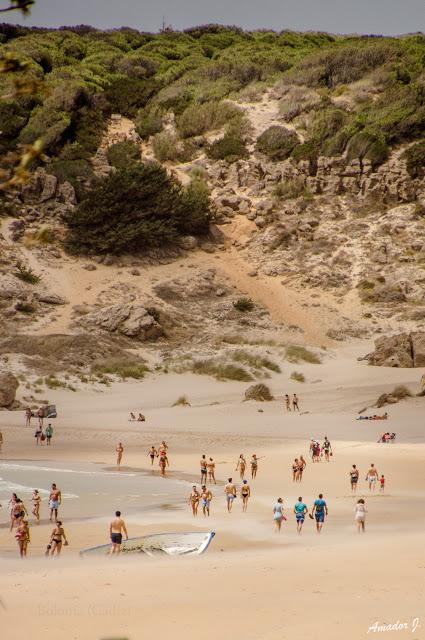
(251, 580)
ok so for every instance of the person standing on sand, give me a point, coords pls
(152, 454)
(37, 435)
(116, 529)
(300, 510)
(327, 448)
(55, 499)
(56, 539)
(18, 514)
(287, 402)
(354, 478)
(230, 491)
(22, 536)
(49, 434)
(382, 484)
(360, 515)
(28, 416)
(302, 466)
(245, 495)
(203, 465)
(40, 416)
(241, 465)
(254, 466)
(319, 511)
(13, 500)
(206, 497)
(120, 451)
(372, 477)
(163, 463)
(295, 470)
(1, 440)
(211, 471)
(36, 505)
(295, 402)
(194, 500)
(278, 514)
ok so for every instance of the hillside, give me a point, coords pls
(291, 209)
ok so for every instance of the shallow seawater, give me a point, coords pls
(88, 490)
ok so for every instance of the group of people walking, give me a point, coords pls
(292, 404)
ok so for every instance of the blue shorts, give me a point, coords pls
(300, 517)
(320, 517)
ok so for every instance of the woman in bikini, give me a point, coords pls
(241, 465)
(11, 505)
(254, 466)
(163, 463)
(245, 494)
(295, 470)
(22, 536)
(211, 471)
(194, 500)
(18, 513)
(56, 541)
(36, 505)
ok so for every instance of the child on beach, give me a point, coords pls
(382, 484)
(360, 515)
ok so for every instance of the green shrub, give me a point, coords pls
(73, 171)
(255, 361)
(295, 353)
(297, 100)
(230, 147)
(49, 125)
(199, 118)
(297, 376)
(243, 305)
(221, 370)
(292, 188)
(121, 368)
(415, 160)
(149, 122)
(277, 142)
(370, 145)
(182, 401)
(128, 95)
(26, 274)
(134, 208)
(121, 154)
(167, 146)
(45, 235)
(25, 307)
(259, 392)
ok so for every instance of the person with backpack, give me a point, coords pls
(319, 511)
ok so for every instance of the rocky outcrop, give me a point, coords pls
(131, 320)
(8, 387)
(402, 350)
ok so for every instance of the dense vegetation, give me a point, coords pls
(134, 208)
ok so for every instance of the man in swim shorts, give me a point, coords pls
(327, 448)
(116, 529)
(120, 451)
(300, 510)
(230, 491)
(203, 465)
(206, 497)
(319, 511)
(372, 477)
(55, 499)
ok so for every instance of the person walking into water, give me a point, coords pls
(203, 464)
(230, 491)
(372, 477)
(36, 499)
(206, 497)
(295, 402)
(211, 471)
(241, 466)
(360, 515)
(245, 495)
(120, 451)
(153, 453)
(300, 510)
(116, 530)
(319, 511)
(194, 500)
(278, 515)
(55, 499)
(327, 448)
(354, 478)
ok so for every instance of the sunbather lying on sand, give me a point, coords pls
(384, 416)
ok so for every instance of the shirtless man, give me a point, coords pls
(354, 478)
(241, 466)
(203, 465)
(120, 451)
(55, 498)
(194, 500)
(287, 402)
(36, 505)
(230, 491)
(372, 477)
(302, 466)
(116, 529)
(211, 471)
(327, 448)
(206, 497)
(295, 402)
(245, 495)
(153, 453)
(28, 416)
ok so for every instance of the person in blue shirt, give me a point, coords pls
(300, 510)
(319, 511)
